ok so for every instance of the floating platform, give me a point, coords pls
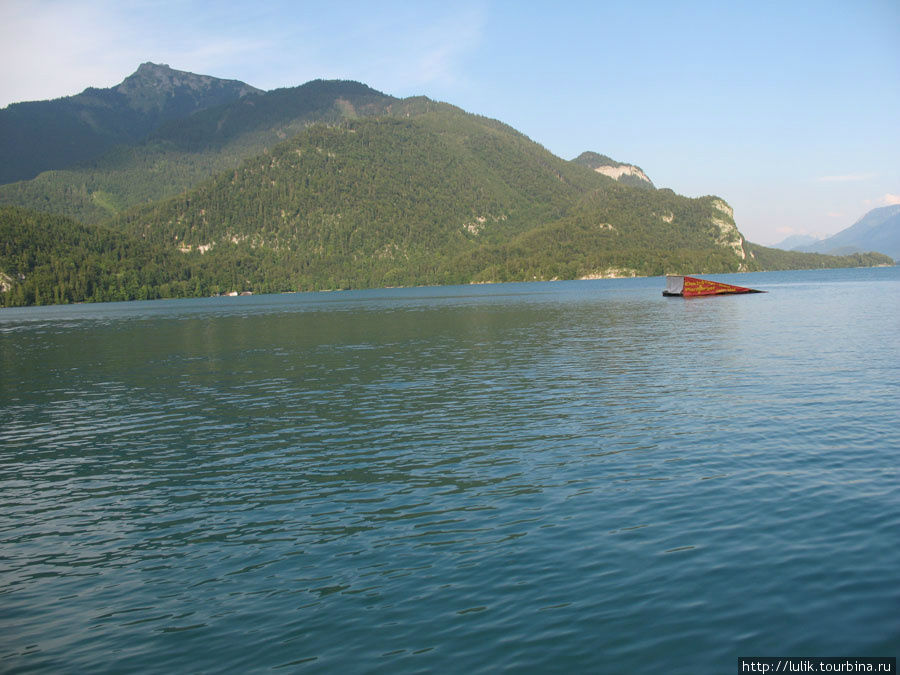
(690, 287)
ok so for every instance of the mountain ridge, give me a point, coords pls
(180, 153)
(877, 230)
(335, 185)
(795, 242)
(37, 136)
(156, 86)
(629, 174)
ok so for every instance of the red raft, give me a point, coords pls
(690, 287)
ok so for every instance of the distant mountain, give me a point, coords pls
(184, 151)
(766, 258)
(628, 174)
(795, 242)
(878, 230)
(39, 135)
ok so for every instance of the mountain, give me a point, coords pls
(878, 230)
(37, 136)
(404, 198)
(435, 196)
(334, 185)
(50, 259)
(628, 174)
(776, 259)
(795, 242)
(426, 194)
(182, 152)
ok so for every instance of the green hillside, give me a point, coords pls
(384, 192)
(37, 136)
(48, 259)
(622, 231)
(628, 174)
(180, 154)
(382, 201)
(776, 259)
(440, 197)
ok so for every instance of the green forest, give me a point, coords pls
(337, 186)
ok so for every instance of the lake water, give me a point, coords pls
(554, 477)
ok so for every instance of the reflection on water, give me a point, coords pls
(545, 476)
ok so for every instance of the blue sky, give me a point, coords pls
(788, 110)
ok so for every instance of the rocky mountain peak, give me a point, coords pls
(624, 173)
(152, 84)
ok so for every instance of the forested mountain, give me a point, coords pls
(777, 259)
(48, 259)
(438, 197)
(341, 186)
(181, 153)
(628, 174)
(383, 201)
(37, 136)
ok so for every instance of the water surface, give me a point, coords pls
(551, 476)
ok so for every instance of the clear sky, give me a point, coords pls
(789, 110)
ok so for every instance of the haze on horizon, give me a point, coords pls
(785, 110)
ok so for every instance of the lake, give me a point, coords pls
(554, 477)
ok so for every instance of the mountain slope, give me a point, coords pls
(776, 259)
(624, 173)
(183, 152)
(48, 259)
(39, 135)
(438, 197)
(619, 230)
(384, 192)
(795, 242)
(390, 196)
(878, 230)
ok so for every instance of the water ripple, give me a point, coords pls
(541, 477)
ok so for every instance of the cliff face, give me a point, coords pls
(629, 174)
(730, 236)
(624, 170)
